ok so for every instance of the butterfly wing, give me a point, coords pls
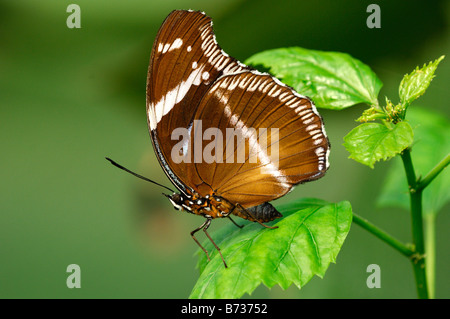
(191, 81)
(184, 63)
(280, 134)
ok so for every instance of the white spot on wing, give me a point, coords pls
(317, 140)
(174, 96)
(301, 110)
(170, 46)
(310, 127)
(311, 119)
(166, 47)
(319, 135)
(176, 44)
(315, 132)
(319, 151)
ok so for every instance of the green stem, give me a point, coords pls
(391, 241)
(418, 259)
(434, 173)
(430, 242)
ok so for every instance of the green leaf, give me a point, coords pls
(372, 142)
(332, 80)
(431, 145)
(309, 237)
(415, 84)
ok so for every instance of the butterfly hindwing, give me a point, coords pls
(278, 130)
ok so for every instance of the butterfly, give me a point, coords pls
(229, 138)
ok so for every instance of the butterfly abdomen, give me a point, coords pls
(263, 213)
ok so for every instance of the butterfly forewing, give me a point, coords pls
(185, 61)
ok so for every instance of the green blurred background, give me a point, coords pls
(70, 97)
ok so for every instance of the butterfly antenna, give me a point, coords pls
(137, 175)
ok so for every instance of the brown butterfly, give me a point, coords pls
(195, 91)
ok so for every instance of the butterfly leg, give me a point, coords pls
(240, 226)
(195, 239)
(206, 225)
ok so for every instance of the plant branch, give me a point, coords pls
(391, 241)
(434, 173)
(418, 259)
(430, 243)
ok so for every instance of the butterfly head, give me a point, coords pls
(176, 199)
